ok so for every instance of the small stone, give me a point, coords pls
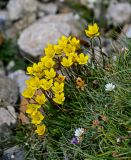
(17, 152)
(8, 91)
(4, 17)
(49, 8)
(89, 3)
(41, 14)
(7, 115)
(128, 33)
(30, 5)
(27, 20)
(12, 33)
(119, 13)
(19, 76)
(2, 71)
(15, 9)
(5, 132)
(10, 65)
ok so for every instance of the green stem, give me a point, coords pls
(93, 54)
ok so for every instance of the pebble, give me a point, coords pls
(119, 13)
(7, 115)
(15, 9)
(16, 153)
(19, 77)
(8, 91)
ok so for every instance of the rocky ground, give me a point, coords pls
(31, 24)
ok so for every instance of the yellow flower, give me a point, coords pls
(28, 92)
(67, 62)
(41, 66)
(82, 59)
(49, 51)
(57, 49)
(35, 68)
(40, 130)
(93, 30)
(63, 42)
(33, 82)
(73, 56)
(75, 42)
(69, 49)
(48, 62)
(32, 108)
(50, 74)
(60, 78)
(58, 87)
(37, 118)
(59, 98)
(46, 84)
(41, 99)
(30, 70)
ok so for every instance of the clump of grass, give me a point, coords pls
(113, 140)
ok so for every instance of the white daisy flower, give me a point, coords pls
(109, 87)
(79, 132)
(12, 156)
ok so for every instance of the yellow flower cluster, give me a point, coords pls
(45, 77)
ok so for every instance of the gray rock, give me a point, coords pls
(12, 32)
(16, 153)
(41, 14)
(4, 17)
(20, 25)
(2, 71)
(30, 5)
(49, 8)
(10, 65)
(8, 115)
(126, 31)
(25, 21)
(47, 30)
(5, 132)
(89, 3)
(8, 91)
(119, 13)
(15, 9)
(19, 76)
